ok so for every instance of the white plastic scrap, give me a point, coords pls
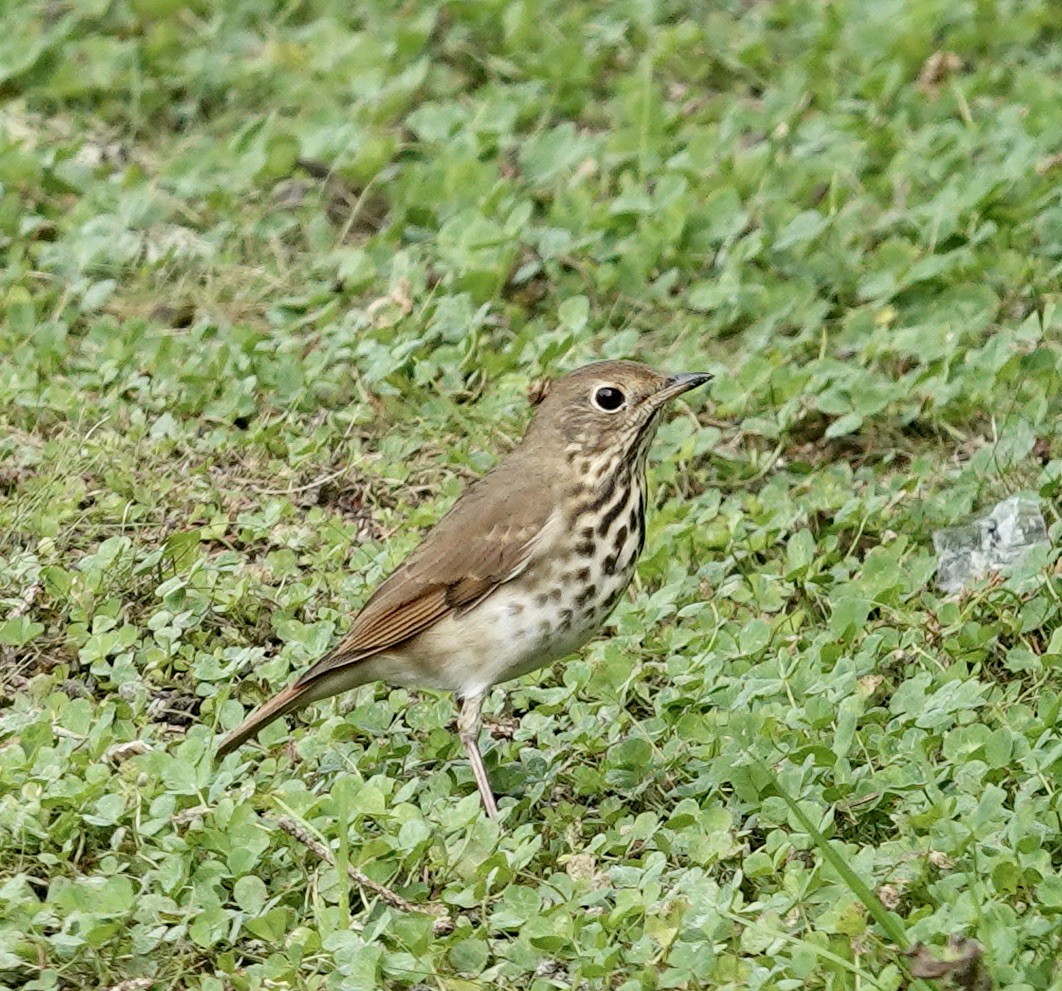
(989, 543)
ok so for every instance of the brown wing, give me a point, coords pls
(485, 540)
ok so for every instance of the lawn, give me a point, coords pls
(275, 282)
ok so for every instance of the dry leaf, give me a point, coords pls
(537, 391)
(936, 69)
(963, 963)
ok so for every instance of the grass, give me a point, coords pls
(275, 283)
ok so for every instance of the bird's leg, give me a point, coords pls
(469, 721)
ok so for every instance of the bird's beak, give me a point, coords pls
(676, 385)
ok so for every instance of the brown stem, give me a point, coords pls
(442, 925)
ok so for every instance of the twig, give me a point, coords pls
(442, 925)
(25, 603)
(315, 484)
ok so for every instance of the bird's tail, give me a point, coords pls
(313, 686)
(292, 698)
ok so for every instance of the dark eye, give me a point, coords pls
(609, 398)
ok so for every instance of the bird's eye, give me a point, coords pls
(609, 398)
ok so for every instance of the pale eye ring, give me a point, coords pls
(609, 398)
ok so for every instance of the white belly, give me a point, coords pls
(503, 637)
(542, 615)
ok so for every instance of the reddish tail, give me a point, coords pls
(287, 701)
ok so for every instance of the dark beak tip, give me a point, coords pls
(689, 380)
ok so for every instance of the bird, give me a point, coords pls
(522, 570)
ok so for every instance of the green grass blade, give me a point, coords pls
(888, 921)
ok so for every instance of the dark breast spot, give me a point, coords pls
(604, 494)
(613, 511)
(608, 566)
(551, 595)
(587, 543)
(634, 519)
(606, 605)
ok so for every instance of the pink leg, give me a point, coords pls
(469, 722)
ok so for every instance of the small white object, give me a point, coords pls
(989, 543)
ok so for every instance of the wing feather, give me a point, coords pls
(487, 539)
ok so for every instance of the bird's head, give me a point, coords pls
(607, 409)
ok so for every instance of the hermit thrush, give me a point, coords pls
(523, 569)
